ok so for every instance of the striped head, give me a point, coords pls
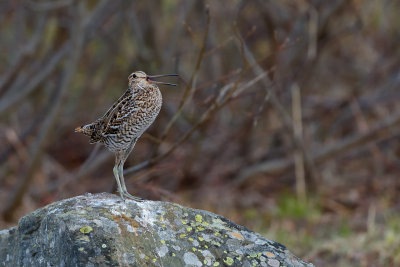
(139, 78)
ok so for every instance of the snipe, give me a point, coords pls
(127, 119)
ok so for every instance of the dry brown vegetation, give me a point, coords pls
(286, 118)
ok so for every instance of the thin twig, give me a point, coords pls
(298, 133)
(44, 6)
(190, 85)
(168, 51)
(42, 73)
(22, 58)
(227, 93)
(327, 153)
(298, 142)
(37, 148)
(91, 163)
(225, 96)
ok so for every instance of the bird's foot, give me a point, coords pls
(126, 195)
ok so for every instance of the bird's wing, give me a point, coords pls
(120, 113)
(112, 109)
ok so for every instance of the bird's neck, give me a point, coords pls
(139, 86)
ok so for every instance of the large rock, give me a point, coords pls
(103, 230)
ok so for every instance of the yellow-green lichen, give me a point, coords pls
(199, 229)
(81, 249)
(200, 238)
(173, 254)
(154, 260)
(190, 239)
(198, 218)
(254, 255)
(216, 263)
(183, 221)
(189, 228)
(162, 241)
(194, 249)
(182, 235)
(218, 221)
(229, 261)
(84, 238)
(86, 229)
(205, 224)
(215, 243)
(103, 245)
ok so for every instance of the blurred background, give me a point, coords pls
(286, 118)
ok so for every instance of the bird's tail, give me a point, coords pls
(85, 129)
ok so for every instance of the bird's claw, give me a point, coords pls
(126, 195)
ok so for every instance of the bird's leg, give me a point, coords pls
(118, 160)
(115, 171)
(125, 191)
(121, 171)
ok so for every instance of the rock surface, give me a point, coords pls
(103, 230)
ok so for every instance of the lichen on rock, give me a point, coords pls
(102, 229)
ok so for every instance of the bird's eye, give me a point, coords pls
(133, 75)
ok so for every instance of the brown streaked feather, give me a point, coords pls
(109, 118)
(110, 110)
(119, 115)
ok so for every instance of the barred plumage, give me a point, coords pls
(127, 119)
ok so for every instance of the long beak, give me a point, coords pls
(162, 75)
(150, 77)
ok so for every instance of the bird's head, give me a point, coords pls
(141, 78)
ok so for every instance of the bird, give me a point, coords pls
(126, 120)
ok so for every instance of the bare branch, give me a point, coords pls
(24, 89)
(21, 58)
(378, 132)
(190, 85)
(225, 96)
(23, 184)
(43, 6)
